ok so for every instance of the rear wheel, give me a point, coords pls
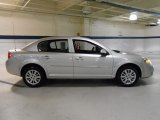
(33, 76)
(128, 76)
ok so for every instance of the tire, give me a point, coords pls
(128, 76)
(33, 76)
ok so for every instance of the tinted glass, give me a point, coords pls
(43, 46)
(53, 46)
(86, 47)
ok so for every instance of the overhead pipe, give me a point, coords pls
(127, 7)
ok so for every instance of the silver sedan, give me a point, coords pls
(75, 58)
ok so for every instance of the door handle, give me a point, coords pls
(46, 57)
(79, 58)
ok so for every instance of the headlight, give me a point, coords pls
(147, 61)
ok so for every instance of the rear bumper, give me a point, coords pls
(12, 67)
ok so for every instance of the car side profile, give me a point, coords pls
(75, 58)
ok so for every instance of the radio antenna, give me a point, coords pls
(14, 34)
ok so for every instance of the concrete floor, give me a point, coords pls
(81, 99)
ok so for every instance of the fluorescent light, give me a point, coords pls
(158, 22)
(133, 17)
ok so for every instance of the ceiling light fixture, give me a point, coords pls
(133, 17)
(158, 22)
(87, 9)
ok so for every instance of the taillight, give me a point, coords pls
(9, 55)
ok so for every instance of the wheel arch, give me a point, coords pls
(32, 65)
(130, 64)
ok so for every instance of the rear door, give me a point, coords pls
(54, 54)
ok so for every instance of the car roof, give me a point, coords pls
(62, 37)
(65, 37)
(72, 37)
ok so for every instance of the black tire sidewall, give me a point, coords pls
(119, 76)
(41, 74)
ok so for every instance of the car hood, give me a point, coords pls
(127, 53)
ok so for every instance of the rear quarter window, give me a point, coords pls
(53, 46)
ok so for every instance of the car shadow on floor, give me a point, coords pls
(79, 83)
(18, 84)
(51, 85)
(70, 83)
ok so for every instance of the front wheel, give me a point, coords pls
(128, 76)
(33, 77)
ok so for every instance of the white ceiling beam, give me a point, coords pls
(68, 3)
(111, 8)
(25, 4)
(6, 4)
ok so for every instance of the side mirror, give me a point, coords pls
(103, 52)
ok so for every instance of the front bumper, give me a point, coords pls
(147, 71)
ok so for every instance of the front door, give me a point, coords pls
(89, 63)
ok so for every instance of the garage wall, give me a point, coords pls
(152, 30)
(134, 36)
(16, 23)
(133, 45)
(31, 24)
(108, 28)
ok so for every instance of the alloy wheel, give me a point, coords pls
(33, 77)
(128, 76)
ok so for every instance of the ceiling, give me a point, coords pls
(148, 11)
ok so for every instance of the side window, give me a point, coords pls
(62, 45)
(53, 46)
(43, 46)
(86, 47)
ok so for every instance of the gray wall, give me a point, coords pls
(134, 45)
(20, 23)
